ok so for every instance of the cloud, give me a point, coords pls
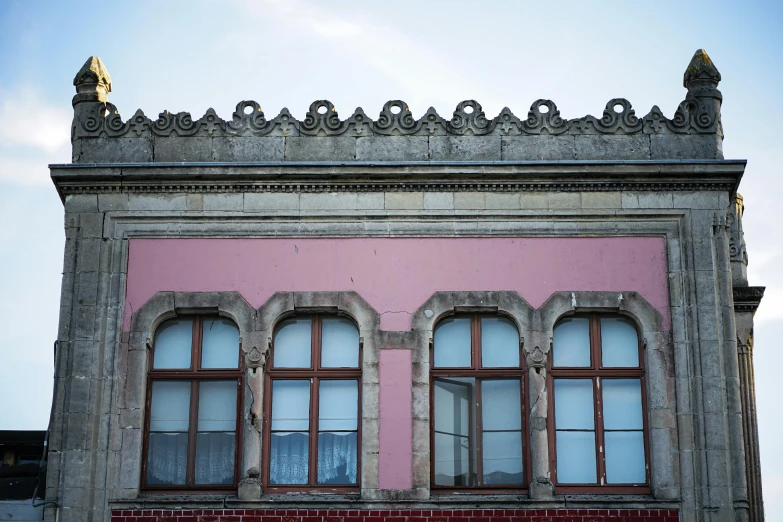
(25, 171)
(30, 121)
(391, 53)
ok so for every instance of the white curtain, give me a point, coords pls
(336, 450)
(168, 458)
(215, 458)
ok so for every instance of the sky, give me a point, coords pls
(195, 54)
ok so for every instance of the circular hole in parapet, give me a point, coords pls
(396, 109)
(618, 108)
(543, 109)
(468, 109)
(248, 109)
(321, 109)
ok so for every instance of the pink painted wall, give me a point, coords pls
(396, 275)
(395, 436)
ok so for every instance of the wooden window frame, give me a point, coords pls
(315, 373)
(480, 373)
(596, 372)
(195, 374)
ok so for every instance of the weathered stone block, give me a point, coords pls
(601, 200)
(370, 201)
(701, 200)
(564, 200)
(176, 149)
(469, 200)
(686, 146)
(631, 200)
(438, 200)
(195, 202)
(501, 200)
(224, 202)
(320, 149)
(112, 202)
(465, 148)
(392, 148)
(81, 203)
(251, 148)
(271, 201)
(538, 148)
(328, 201)
(533, 201)
(157, 202)
(404, 201)
(611, 147)
(112, 150)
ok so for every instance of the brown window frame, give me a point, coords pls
(315, 373)
(480, 373)
(596, 372)
(195, 374)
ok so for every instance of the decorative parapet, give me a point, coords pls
(694, 132)
(747, 298)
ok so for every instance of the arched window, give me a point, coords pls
(600, 435)
(193, 402)
(477, 402)
(313, 404)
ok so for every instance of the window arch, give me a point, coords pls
(599, 406)
(312, 406)
(193, 404)
(478, 408)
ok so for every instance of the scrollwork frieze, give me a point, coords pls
(102, 119)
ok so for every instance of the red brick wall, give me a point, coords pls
(396, 515)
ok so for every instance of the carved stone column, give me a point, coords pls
(541, 482)
(746, 301)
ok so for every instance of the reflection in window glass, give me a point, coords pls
(173, 342)
(167, 454)
(571, 342)
(290, 438)
(452, 343)
(220, 345)
(499, 343)
(292, 343)
(339, 343)
(575, 457)
(619, 343)
(454, 409)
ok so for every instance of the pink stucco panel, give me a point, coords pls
(396, 275)
(395, 437)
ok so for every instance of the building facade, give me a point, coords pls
(356, 320)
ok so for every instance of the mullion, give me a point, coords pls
(315, 390)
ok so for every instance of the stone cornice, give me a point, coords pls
(399, 176)
(747, 298)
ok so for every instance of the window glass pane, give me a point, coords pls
(292, 343)
(338, 405)
(574, 404)
(337, 458)
(452, 343)
(576, 457)
(173, 342)
(571, 342)
(167, 458)
(289, 458)
(291, 405)
(624, 457)
(220, 343)
(502, 457)
(217, 406)
(452, 466)
(170, 408)
(499, 343)
(339, 343)
(501, 405)
(619, 342)
(453, 405)
(622, 404)
(215, 458)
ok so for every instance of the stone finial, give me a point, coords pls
(92, 82)
(701, 72)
